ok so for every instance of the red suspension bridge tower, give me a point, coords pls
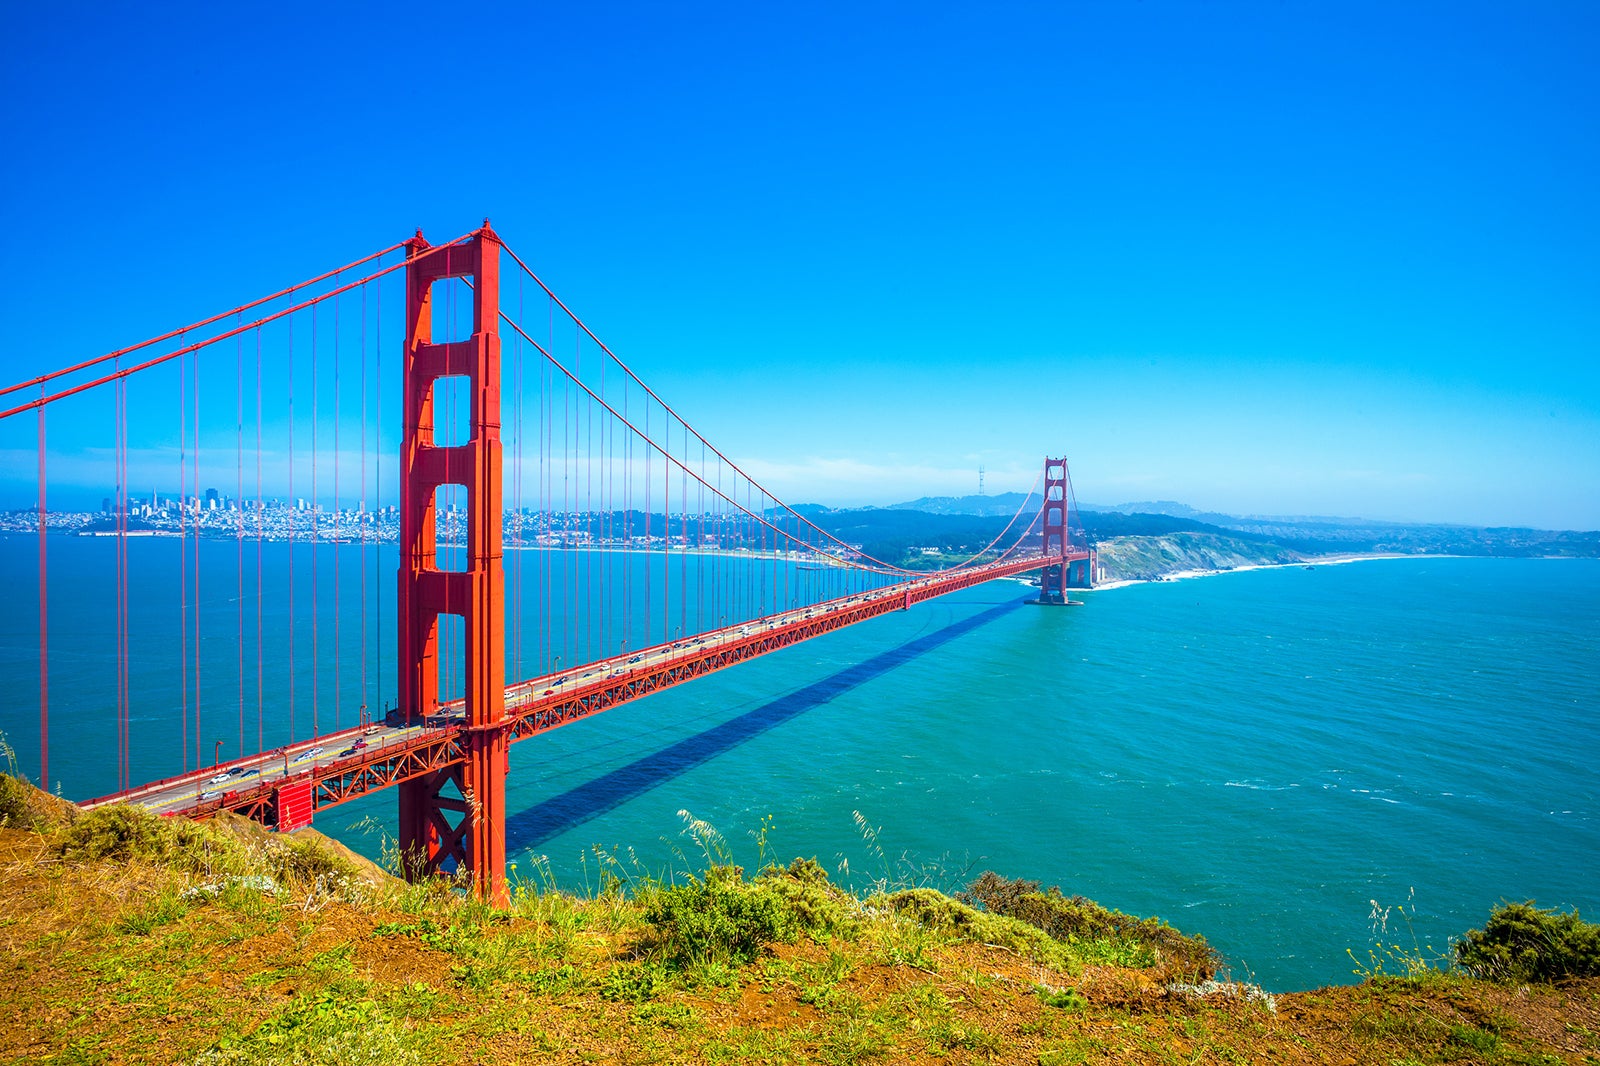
(1071, 568)
(429, 838)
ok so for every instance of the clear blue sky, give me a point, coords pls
(1296, 257)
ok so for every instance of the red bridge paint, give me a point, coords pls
(294, 804)
(475, 838)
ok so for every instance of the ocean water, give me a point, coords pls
(1261, 757)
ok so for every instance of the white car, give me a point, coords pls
(222, 778)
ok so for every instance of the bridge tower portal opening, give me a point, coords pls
(454, 816)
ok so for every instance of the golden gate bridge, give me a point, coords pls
(640, 554)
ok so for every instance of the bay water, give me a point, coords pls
(1294, 762)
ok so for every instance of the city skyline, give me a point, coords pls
(1257, 261)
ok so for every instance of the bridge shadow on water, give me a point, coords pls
(570, 809)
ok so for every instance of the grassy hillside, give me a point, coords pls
(131, 939)
(1148, 558)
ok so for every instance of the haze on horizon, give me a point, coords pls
(1260, 260)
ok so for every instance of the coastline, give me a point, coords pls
(1309, 562)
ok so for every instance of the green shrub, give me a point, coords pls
(1071, 919)
(816, 907)
(15, 812)
(720, 919)
(309, 862)
(1523, 944)
(126, 834)
(936, 911)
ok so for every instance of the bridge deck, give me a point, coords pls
(377, 756)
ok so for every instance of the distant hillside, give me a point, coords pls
(921, 538)
(1310, 534)
(900, 536)
(1002, 505)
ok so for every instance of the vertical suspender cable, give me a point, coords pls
(121, 449)
(183, 570)
(198, 514)
(627, 518)
(591, 521)
(338, 679)
(363, 511)
(649, 483)
(260, 702)
(666, 523)
(294, 519)
(238, 533)
(316, 591)
(44, 621)
(516, 492)
(377, 436)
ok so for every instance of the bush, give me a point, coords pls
(24, 807)
(1523, 944)
(1070, 919)
(308, 862)
(126, 834)
(816, 907)
(718, 920)
(14, 809)
(936, 911)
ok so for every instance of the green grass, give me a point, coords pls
(714, 967)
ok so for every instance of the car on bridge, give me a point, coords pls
(221, 779)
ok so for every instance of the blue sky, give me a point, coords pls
(1287, 258)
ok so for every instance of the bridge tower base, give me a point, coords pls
(454, 817)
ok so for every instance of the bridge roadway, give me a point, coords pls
(368, 757)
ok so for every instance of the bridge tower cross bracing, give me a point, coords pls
(1055, 541)
(475, 840)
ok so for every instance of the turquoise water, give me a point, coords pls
(1254, 756)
